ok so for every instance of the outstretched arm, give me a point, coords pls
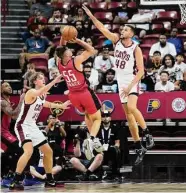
(65, 105)
(34, 93)
(111, 36)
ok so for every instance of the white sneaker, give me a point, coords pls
(88, 148)
(97, 145)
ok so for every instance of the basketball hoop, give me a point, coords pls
(183, 12)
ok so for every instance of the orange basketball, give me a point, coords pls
(69, 33)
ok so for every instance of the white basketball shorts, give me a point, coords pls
(30, 133)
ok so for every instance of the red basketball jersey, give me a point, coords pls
(74, 78)
(5, 119)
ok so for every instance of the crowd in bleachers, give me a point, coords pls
(158, 33)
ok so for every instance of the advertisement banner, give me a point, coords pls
(153, 105)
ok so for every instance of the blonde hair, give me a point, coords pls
(33, 78)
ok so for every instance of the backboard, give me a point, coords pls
(161, 2)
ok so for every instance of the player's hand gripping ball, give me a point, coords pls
(69, 33)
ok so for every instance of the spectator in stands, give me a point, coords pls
(156, 61)
(91, 75)
(60, 87)
(168, 64)
(150, 78)
(35, 21)
(87, 29)
(142, 17)
(41, 5)
(79, 27)
(109, 136)
(80, 15)
(79, 162)
(122, 16)
(180, 62)
(109, 84)
(52, 62)
(163, 47)
(164, 84)
(57, 17)
(27, 75)
(178, 43)
(34, 45)
(104, 61)
(182, 83)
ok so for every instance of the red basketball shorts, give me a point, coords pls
(85, 101)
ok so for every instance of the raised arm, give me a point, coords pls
(89, 51)
(7, 109)
(111, 36)
(34, 93)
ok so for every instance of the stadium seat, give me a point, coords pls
(181, 27)
(167, 25)
(115, 28)
(40, 61)
(145, 48)
(95, 31)
(167, 16)
(150, 39)
(98, 6)
(182, 36)
(114, 6)
(104, 16)
(65, 6)
(108, 26)
(132, 5)
(157, 28)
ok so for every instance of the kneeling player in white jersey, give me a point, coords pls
(28, 133)
(129, 71)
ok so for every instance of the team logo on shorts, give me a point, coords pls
(107, 105)
(178, 105)
(56, 111)
(79, 112)
(153, 104)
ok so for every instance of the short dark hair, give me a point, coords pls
(33, 78)
(110, 71)
(86, 66)
(132, 28)
(60, 51)
(164, 72)
(157, 52)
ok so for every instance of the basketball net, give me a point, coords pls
(183, 12)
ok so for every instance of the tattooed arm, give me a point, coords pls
(7, 109)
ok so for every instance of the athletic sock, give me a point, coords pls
(138, 144)
(49, 177)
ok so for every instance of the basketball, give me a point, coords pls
(69, 33)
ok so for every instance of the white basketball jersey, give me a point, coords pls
(125, 62)
(30, 112)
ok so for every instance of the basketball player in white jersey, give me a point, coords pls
(28, 133)
(129, 71)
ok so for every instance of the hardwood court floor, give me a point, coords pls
(107, 187)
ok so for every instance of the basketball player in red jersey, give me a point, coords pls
(8, 113)
(80, 95)
(28, 132)
(129, 69)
